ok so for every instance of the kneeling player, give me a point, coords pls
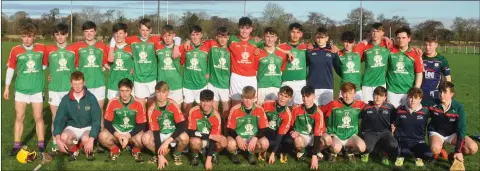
(246, 126)
(124, 121)
(342, 124)
(304, 118)
(166, 127)
(204, 129)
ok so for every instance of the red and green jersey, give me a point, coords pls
(219, 64)
(350, 65)
(243, 58)
(308, 123)
(168, 68)
(297, 68)
(91, 59)
(342, 120)
(144, 58)
(124, 117)
(121, 67)
(270, 67)
(29, 65)
(277, 120)
(206, 123)
(376, 59)
(164, 119)
(402, 67)
(196, 66)
(247, 124)
(61, 62)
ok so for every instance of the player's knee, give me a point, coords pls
(299, 142)
(231, 145)
(223, 143)
(435, 150)
(471, 148)
(264, 143)
(336, 148)
(147, 138)
(183, 138)
(327, 139)
(361, 147)
(195, 143)
(64, 137)
(19, 118)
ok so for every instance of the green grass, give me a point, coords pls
(465, 74)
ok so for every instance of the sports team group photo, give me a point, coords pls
(240, 85)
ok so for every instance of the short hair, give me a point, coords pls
(245, 21)
(431, 38)
(60, 28)
(206, 95)
(297, 26)
(248, 92)
(287, 90)
(348, 36)
(146, 22)
(162, 86)
(270, 30)
(119, 26)
(77, 75)
(307, 91)
(377, 26)
(28, 29)
(195, 28)
(348, 86)
(167, 29)
(321, 31)
(380, 91)
(125, 82)
(223, 31)
(89, 25)
(415, 92)
(403, 30)
(447, 85)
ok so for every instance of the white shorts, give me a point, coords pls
(29, 98)
(367, 93)
(396, 99)
(308, 139)
(113, 93)
(343, 142)
(323, 96)
(176, 95)
(55, 97)
(99, 92)
(144, 90)
(237, 82)
(447, 139)
(192, 95)
(78, 131)
(297, 87)
(220, 94)
(164, 137)
(358, 95)
(265, 94)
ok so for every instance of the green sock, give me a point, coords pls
(178, 153)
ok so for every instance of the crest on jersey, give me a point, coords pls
(30, 65)
(378, 60)
(91, 60)
(400, 66)
(143, 56)
(329, 55)
(346, 121)
(437, 65)
(62, 63)
(194, 63)
(249, 128)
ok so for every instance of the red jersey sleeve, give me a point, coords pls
(45, 56)
(284, 59)
(159, 46)
(262, 117)
(12, 58)
(75, 48)
(109, 113)
(294, 115)
(327, 109)
(177, 115)
(232, 117)
(141, 117)
(105, 53)
(152, 118)
(360, 49)
(418, 63)
(192, 118)
(216, 124)
(183, 55)
(319, 124)
(286, 122)
(129, 40)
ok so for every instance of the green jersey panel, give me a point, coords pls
(121, 68)
(376, 60)
(145, 62)
(269, 71)
(350, 64)
(90, 64)
(30, 77)
(219, 64)
(343, 122)
(169, 69)
(61, 64)
(195, 69)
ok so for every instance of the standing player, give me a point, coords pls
(61, 61)
(270, 64)
(122, 61)
(349, 63)
(29, 84)
(204, 130)
(166, 128)
(405, 69)
(435, 68)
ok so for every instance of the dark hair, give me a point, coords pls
(89, 25)
(125, 82)
(222, 31)
(167, 29)
(404, 30)
(77, 75)
(206, 95)
(297, 26)
(61, 28)
(431, 38)
(119, 26)
(348, 36)
(244, 21)
(322, 31)
(377, 26)
(28, 29)
(348, 86)
(195, 28)
(415, 92)
(146, 22)
(307, 91)
(380, 90)
(161, 86)
(287, 90)
(447, 85)
(269, 30)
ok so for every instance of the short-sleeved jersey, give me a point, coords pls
(168, 68)
(410, 126)
(350, 65)
(402, 67)
(124, 117)
(164, 120)
(308, 123)
(210, 123)
(91, 59)
(196, 66)
(242, 56)
(247, 124)
(61, 63)
(296, 69)
(342, 120)
(279, 121)
(121, 67)
(144, 57)
(270, 67)
(376, 59)
(219, 65)
(29, 65)
(435, 68)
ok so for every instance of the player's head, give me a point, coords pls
(377, 31)
(245, 27)
(89, 30)
(414, 96)
(77, 81)
(403, 36)
(145, 28)
(248, 96)
(308, 96)
(447, 91)
(161, 91)
(284, 95)
(222, 36)
(28, 32)
(379, 95)
(270, 36)
(348, 40)
(168, 34)
(125, 87)
(431, 44)
(60, 31)
(196, 34)
(296, 32)
(321, 36)
(206, 100)
(348, 90)
(120, 32)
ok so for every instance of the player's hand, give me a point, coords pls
(271, 159)
(290, 56)
(6, 93)
(176, 52)
(208, 163)
(88, 148)
(314, 164)
(257, 39)
(458, 156)
(393, 128)
(49, 78)
(187, 45)
(257, 51)
(418, 51)
(163, 149)
(309, 46)
(124, 140)
(162, 162)
(364, 42)
(62, 147)
(294, 134)
(207, 76)
(241, 143)
(131, 71)
(252, 144)
(335, 49)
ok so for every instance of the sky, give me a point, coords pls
(414, 11)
